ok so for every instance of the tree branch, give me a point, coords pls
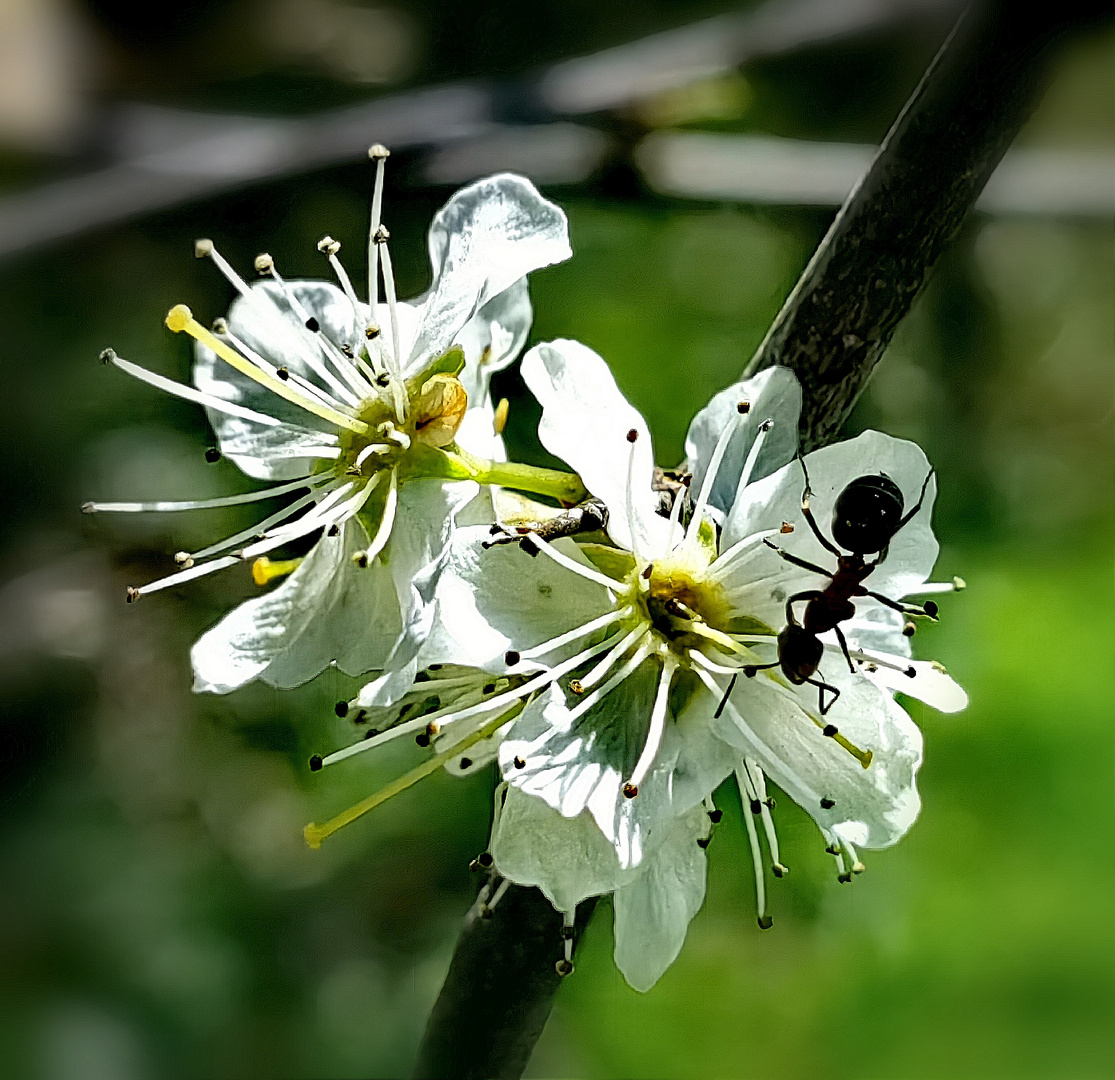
(499, 990)
(933, 164)
(831, 331)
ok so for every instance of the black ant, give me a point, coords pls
(865, 519)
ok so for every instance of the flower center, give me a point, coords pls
(435, 409)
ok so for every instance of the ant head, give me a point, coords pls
(867, 514)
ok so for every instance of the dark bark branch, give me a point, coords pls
(940, 152)
(832, 330)
(499, 990)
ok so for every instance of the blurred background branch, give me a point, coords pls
(165, 157)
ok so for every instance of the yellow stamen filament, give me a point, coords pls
(180, 318)
(264, 570)
(499, 419)
(314, 834)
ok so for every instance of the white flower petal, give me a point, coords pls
(773, 394)
(582, 764)
(567, 858)
(488, 236)
(881, 801)
(653, 912)
(930, 683)
(585, 422)
(494, 599)
(766, 504)
(493, 337)
(328, 609)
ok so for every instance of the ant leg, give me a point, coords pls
(844, 645)
(821, 688)
(807, 513)
(929, 611)
(783, 553)
(812, 594)
(921, 498)
(750, 669)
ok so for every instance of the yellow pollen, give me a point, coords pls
(264, 570)
(180, 319)
(499, 419)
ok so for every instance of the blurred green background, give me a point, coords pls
(159, 915)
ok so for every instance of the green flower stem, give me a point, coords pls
(565, 487)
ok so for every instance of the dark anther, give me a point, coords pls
(489, 688)
(648, 571)
(827, 803)
(769, 802)
(766, 425)
(844, 878)
(829, 730)
(563, 968)
(909, 629)
(567, 933)
(422, 739)
(576, 686)
(715, 815)
(630, 791)
(313, 325)
(511, 658)
(485, 911)
(341, 709)
(485, 859)
(749, 672)
(778, 870)
(765, 922)
(473, 865)
(283, 373)
(703, 841)
(931, 608)
(361, 560)
(435, 667)
(832, 849)
(422, 676)
(529, 546)
(212, 455)
(519, 763)
(743, 408)
(383, 379)
(315, 763)
(107, 356)
(334, 530)
(495, 530)
(361, 717)
(132, 594)
(466, 763)
(911, 672)
(371, 332)
(632, 435)
(756, 806)
(347, 349)
(673, 608)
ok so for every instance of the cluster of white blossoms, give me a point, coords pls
(617, 676)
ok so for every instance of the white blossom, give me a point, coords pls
(368, 416)
(638, 714)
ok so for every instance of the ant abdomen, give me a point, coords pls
(800, 652)
(867, 514)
